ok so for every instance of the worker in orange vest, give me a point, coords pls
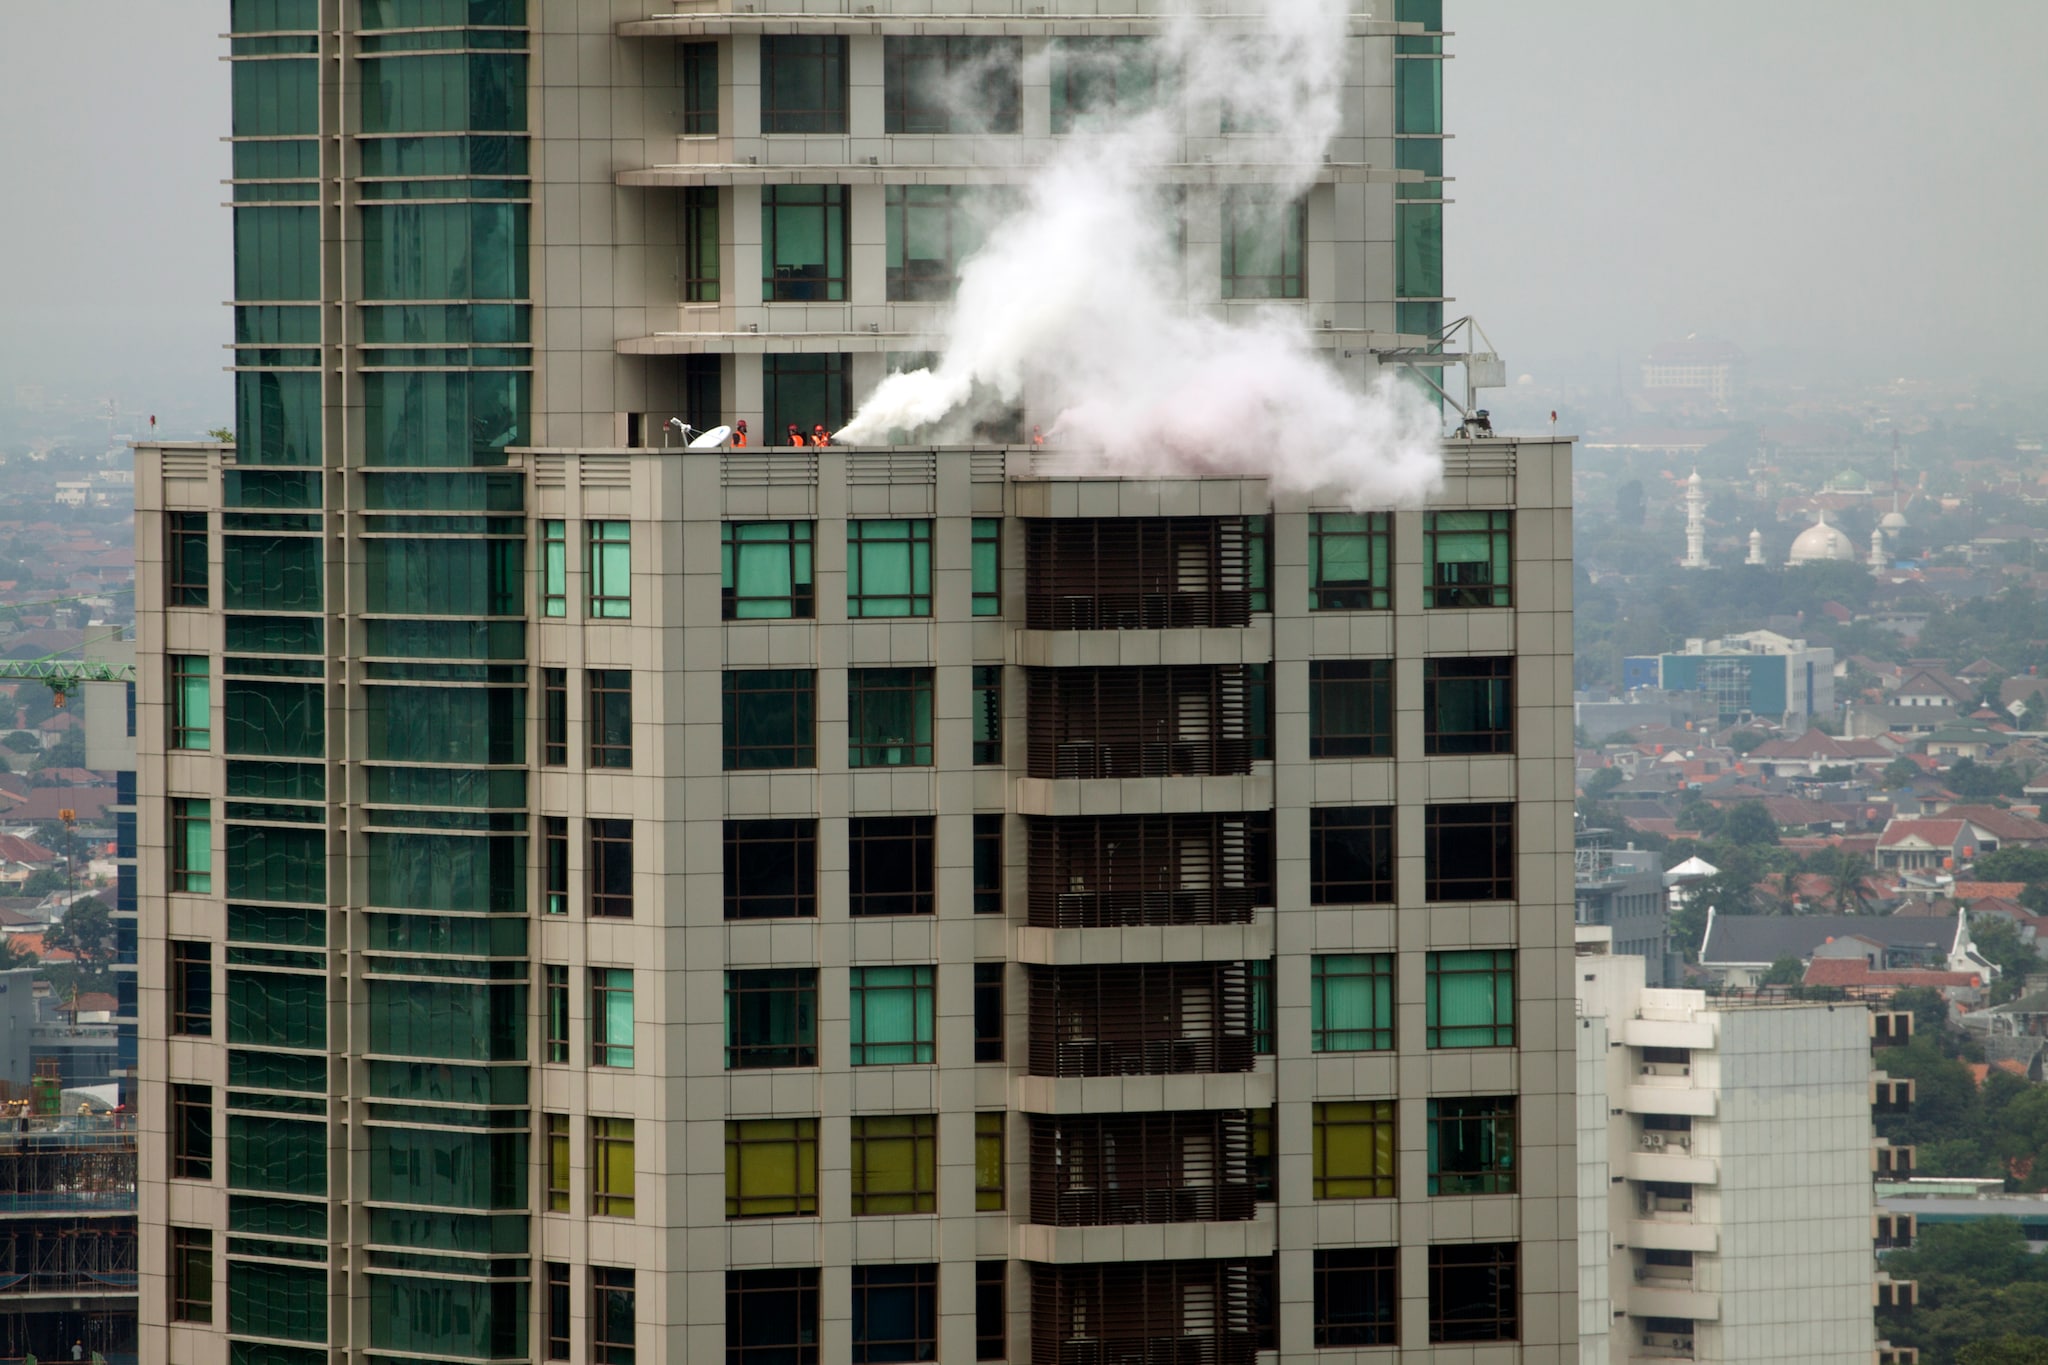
(1037, 437)
(819, 436)
(796, 438)
(739, 434)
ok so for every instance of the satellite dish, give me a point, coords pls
(717, 436)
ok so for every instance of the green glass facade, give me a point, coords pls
(1419, 146)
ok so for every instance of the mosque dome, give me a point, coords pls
(1821, 541)
(1893, 520)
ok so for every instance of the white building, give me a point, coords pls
(1725, 1158)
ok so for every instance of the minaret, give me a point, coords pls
(1877, 560)
(1695, 524)
(1756, 547)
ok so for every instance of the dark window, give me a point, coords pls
(771, 719)
(187, 572)
(191, 699)
(803, 85)
(952, 85)
(558, 1311)
(890, 865)
(1471, 998)
(771, 1018)
(611, 869)
(192, 1275)
(988, 1011)
(888, 568)
(1357, 1298)
(988, 713)
(554, 716)
(1262, 245)
(1472, 1145)
(1473, 1292)
(888, 717)
(1263, 1166)
(1469, 852)
(1351, 855)
(555, 984)
(771, 1317)
(771, 869)
(1467, 559)
(191, 988)
(611, 717)
(1350, 708)
(1468, 706)
(704, 390)
(987, 566)
(765, 570)
(191, 1132)
(611, 1315)
(700, 89)
(1349, 561)
(554, 837)
(804, 391)
(1258, 711)
(1260, 974)
(803, 245)
(991, 1310)
(895, 1313)
(988, 864)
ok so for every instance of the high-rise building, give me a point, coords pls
(783, 905)
(1726, 1156)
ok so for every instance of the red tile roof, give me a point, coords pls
(1855, 971)
(1942, 833)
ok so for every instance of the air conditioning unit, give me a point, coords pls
(1653, 1142)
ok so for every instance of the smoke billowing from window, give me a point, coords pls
(1076, 303)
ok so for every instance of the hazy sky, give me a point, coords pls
(1856, 184)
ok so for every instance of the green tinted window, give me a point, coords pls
(988, 566)
(460, 1170)
(1262, 246)
(468, 1319)
(270, 488)
(1096, 78)
(284, 1156)
(803, 84)
(461, 1021)
(888, 717)
(444, 577)
(277, 418)
(446, 724)
(275, 1009)
(276, 1217)
(1419, 95)
(191, 845)
(1419, 251)
(447, 872)
(274, 634)
(442, 14)
(609, 567)
(1468, 559)
(1351, 1003)
(441, 418)
(277, 1301)
(444, 92)
(273, 16)
(276, 98)
(276, 160)
(893, 1016)
(301, 928)
(700, 241)
(443, 251)
(929, 230)
(1348, 556)
(1471, 1000)
(277, 253)
(270, 573)
(1425, 154)
(554, 568)
(266, 863)
(191, 698)
(888, 568)
(803, 243)
(444, 156)
(275, 720)
(765, 570)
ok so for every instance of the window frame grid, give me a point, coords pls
(782, 210)
(1499, 530)
(800, 1345)
(191, 1002)
(1377, 970)
(608, 576)
(1250, 224)
(608, 717)
(991, 1310)
(701, 219)
(554, 855)
(830, 55)
(191, 816)
(181, 587)
(990, 1044)
(1499, 705)
(1497, 1170)
(868, 834)
(190, 689)
(878, 533)
(988, 868)
(964, 62)
(1448, 1259)
(799, 546)
(191, 1275)
(1374, 1124)
(554, 568)
(609, 875)
(1371, 593)
(920, 1282)
(987, 718)
(784, 1142)
(872, 988)
(985, 566)
(871, 1135)
(1328, 833)
(612, 1286)
(555, 1013)
(555, 1327)
(608, 1137)
(799, 749)
(882, 692)
(1329, 684)
(991, 1154)
(770, 984)
(554, 717)
(1501, 967)
(1451, 833)
(801, 839)
(192, 1128)
(560, 1176)
(1364, 1278)
(606, 985)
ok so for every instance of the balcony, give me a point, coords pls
(1892, 1163)
(1172, 1019)
(1160, 1313)
(1095, 1171)
(1131, 573)
(1121, 872)
(1890, 1028)
(1890, 1096)
(1887, 1292)
(1892, 1231)
(1672, 1235)
(1140, 722)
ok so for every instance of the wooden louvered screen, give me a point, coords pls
(1138, 722)
(1159, 1313)
(1164, 1019)
(1136, 573)
(1098, 1169)
(1090, 872)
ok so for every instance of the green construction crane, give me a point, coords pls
(65, 676)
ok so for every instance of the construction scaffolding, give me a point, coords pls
(67, 1235)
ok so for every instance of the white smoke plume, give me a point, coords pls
(1075, 303)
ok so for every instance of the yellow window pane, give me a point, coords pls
(988, 1162)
